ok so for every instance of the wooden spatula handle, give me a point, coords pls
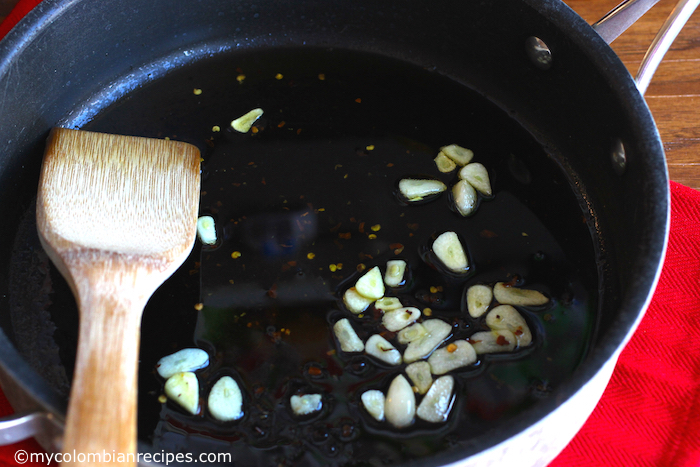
(101, 421)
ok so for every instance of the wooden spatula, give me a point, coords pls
(117, 215)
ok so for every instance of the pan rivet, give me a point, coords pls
(619, 157)
(539, 52)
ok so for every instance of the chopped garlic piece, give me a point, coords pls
(505, 317)
(182, 360)
(355, 302)
(419, 373)
(464, 197)
(206, 230)
(225, 400)
(306, 404)
(508, 295)
(446, 359)
(460, 155)
(387, 303)
(418, 189)
(479, 298)
(400, 405)
(183, 388)
(396, 320)
(496, 341)
(383, 350)
(373, 401)
(444, 163)
(245, 122)
(478, 177)
(411, 333)
(347, 337)
(371, 284)
(435, 406)
(449, 250)
(395, 270)
(437, 332)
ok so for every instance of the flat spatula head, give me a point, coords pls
(119, 194)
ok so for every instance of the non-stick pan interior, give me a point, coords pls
(398, 88)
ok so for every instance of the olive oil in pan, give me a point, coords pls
(303, 203)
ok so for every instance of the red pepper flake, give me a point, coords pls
(397, 247)
(358, 100)
(298, 130)
(335, 227)
(315, 371)
(413, 227)
(263, 181)
(519, 332)
(331, 352)
(281, 124)
(361, 228)
(501, 340)
(488, 234)
(272, 293)
(345, 235)
(390, 164)
(513, 282)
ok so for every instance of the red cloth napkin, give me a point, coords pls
(650, 413)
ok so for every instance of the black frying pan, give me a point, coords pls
(548, 134)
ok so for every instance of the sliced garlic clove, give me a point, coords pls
(182, 360)
(478, 177)
(508, 295)
(436, 333)
(347, 337)
(449, 250)
(444, 164)
(371, 284)
(206, 230)
(355, 302)
(411, 333)
(501, 340)
(225, 400)
(457, 153)
(400, 404)
(245, 122)
(183, 388)
(457, 354)
(479, 299)
(383, 350)
(396, 320)
(465, 198)
(306, 404)
(505, 317)
(374, 401)
(388, 303)
(395, 270)
(419, 373)
(418, 189)
(436, 405)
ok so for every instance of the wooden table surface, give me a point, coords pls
(674, 93)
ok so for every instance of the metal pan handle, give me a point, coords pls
(628, 12)
(18, 427)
